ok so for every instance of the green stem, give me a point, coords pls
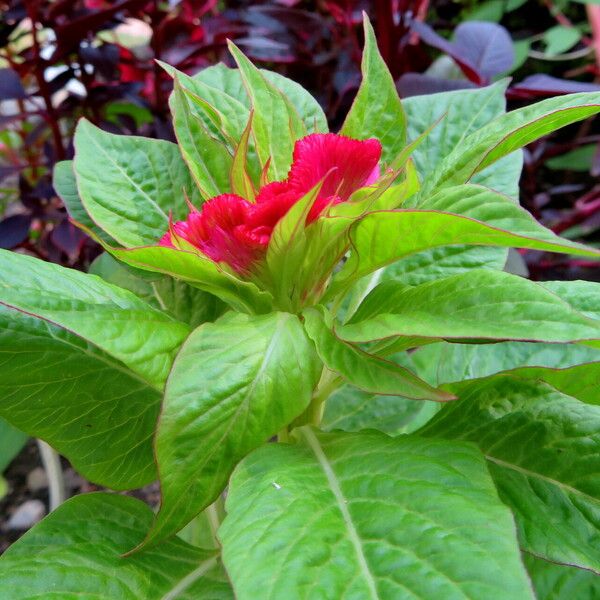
(313, 415)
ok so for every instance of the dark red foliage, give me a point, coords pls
(69, 71)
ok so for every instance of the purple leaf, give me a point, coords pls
(487, 46)
(14, 231)
(10, 85)
(68, 238)
(546, 85)
(416, 84)
(482, 50)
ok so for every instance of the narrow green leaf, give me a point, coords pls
(277, 124)
(234, 384)
(239, 174)
(376, 110)
(461, 306)
(199, 271)
(90, 407)
(115, 320)
(509, 132)
(76, 552)
(129, 184)
(444, 363)
(382, 238)
(207, 158)
(584, 296)
(365, 371)
(368, 516)
(182, 301)
(543, 448)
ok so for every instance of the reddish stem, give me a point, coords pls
(38, 61)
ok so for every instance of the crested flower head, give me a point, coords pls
(233, 230)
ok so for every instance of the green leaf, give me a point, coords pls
(65, 184)
(307, 107)
(381, 238)
(543, 448)
(441, 262)
(462, 112)
(76, 552)
(277, 124)
(207, 158)
(444, 363)
(234, 384)
(559, 582)
(368, 516)
(351, 409)
(177, 298)
(365, 371)
(12, 439)
(584, 296)
(201, 272)
(578, 159)
(461, 306)
(90, 407)
(113, 319)
(129, 184)
(240, 172)
(376, 110)
(559, 39)
(499, 211)
(222, 88)
(511, 131)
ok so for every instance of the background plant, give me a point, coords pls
(485, 382)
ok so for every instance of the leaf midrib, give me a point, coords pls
(342, 505)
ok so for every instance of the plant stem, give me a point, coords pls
(53, 468)
(51, 116)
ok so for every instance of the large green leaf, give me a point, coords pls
(444, 362)
(90, 407)
(559, 582)
(276, 123)
(65, 184)
(368, 516)
(113, 319)
(130, 184)
(199, 271)
(461, 112)
(483, 304)
(543, 451)
(76, 552)
(365, 371)
(351, 409)
(443, 261)
(376, 110)
(509, 132)
(208, 158)
(234, 384)
(381, 238)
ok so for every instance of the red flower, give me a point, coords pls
(232, 230)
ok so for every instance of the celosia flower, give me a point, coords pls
(230, 229)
